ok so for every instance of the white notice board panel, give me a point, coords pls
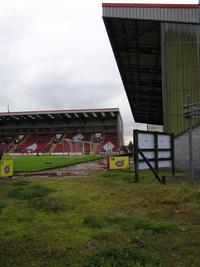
(153, 150)
(164, 155)
(164, 141)
(144, 166)
(146, 141)
(156, 147)
(165, 164)
(148, 155)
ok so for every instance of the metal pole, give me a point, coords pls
(83, 148)
(191, 165)
(172, 154)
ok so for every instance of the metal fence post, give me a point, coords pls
(191, 165)
(136, 156)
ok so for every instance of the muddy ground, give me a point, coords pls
(77, 170)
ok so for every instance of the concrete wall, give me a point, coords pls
(181, 150)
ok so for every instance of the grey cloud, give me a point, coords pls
(56, 54)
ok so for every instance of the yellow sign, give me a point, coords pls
(6, 168)
(118, 163)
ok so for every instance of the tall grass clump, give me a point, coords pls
(21, 182)
(127, 223)
(51, 204)
(93, 222)
(30, 192)
(2, 205)
(118, 256)
(195, 197)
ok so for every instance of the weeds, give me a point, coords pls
(24, 218)
(118, 175)
(128, 223)
(103, 230)
(170, 202)
(113, 236)
(195, 197)
(94, 222)
(29, 251)
(2, 205)
(51, 204)
(30, 192)
(21, 182)
(118, 256)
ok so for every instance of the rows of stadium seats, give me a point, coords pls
(73, 143)
(33, 143)
(27, 142)
(44, 143)
(108, 143)
(54, 143)
(6, 143)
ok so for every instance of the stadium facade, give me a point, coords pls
(57, 131)
(157, 49)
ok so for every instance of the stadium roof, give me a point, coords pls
(60, 114)
(134, 31)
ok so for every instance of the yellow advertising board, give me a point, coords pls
(118, 163)
(6, 168)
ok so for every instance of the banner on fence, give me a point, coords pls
(6, 168)
(117, 163)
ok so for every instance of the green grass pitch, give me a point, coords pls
(39, 163)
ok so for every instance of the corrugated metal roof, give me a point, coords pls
(80, 114)
(169, 13)
(40, 112)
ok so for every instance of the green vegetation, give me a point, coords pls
(46, 162)
(2, 205)
(21, 182)
(51, 204)
(30, 192)
(102, 220)
(118, 256)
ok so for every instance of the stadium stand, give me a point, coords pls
(69, 143)
(108, 143)
(6, 143)
(70, 132)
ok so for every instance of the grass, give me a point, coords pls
(21, 182)
(129, 223)
(118, 256)
(94, 222)
(46, 162)
(102, 220)
(51, 204)
(2, 205)
(33, 191)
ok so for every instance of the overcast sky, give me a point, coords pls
(55, 54)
